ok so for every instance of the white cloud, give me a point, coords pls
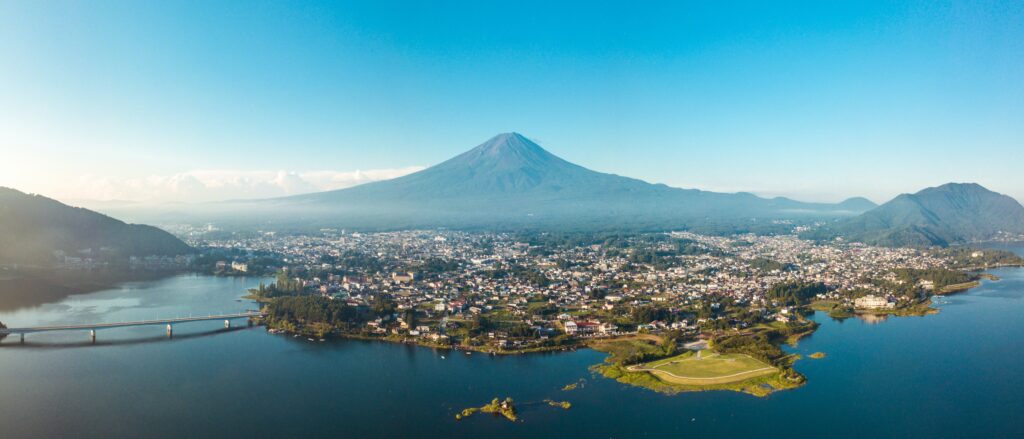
(216, 185)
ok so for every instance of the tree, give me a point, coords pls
(383, 305)
(480, 324)
(796, 293)
(410, 317)
(647, 314)
(315, 312)
(669, 344)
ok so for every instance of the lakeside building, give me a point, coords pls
(403, 277)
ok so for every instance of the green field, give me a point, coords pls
(626, 347)
(707, 369)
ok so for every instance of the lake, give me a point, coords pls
(957, 373)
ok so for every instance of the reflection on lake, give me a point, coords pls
(179, 296)
(872, 319)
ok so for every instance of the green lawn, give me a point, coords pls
(626, 347)
(709, 368)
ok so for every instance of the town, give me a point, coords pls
(506, 293)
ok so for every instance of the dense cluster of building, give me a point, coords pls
(448, 278)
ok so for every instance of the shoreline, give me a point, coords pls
(424, 344)
(921, 309)
(759, 386)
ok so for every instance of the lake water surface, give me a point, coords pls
(959, 373)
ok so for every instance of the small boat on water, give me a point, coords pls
(469, 353)
(442, 357)
(310, 339)
(321, 340)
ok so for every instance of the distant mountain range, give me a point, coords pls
(33, 227)
(953, 213)
(510, 181)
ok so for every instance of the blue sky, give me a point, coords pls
(815, 100)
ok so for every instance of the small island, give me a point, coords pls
(750, 363)
(563, 404)
(817, 355)
(496, 407)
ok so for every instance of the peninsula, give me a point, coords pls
(675, 311)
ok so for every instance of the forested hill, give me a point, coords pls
(953, 213)
(33, 227)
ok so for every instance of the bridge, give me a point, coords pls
(92, 328)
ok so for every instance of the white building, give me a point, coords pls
(570, 327)
(873, 302)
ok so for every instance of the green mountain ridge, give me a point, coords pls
(953, 213)
(33, 227)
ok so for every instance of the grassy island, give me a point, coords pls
(465, 413)
(750, 362)
(817, 355)
(696, 369)
(496, 407)
(563, 404)
(572, 386)
(751, 381)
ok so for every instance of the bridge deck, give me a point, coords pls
(127, 324)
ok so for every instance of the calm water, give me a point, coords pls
(956, 374)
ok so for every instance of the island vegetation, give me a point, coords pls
(281, 287)
(561, 404)
(751, 362)
(505, 408)
(572, 386)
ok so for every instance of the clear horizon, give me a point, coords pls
(193, 101)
